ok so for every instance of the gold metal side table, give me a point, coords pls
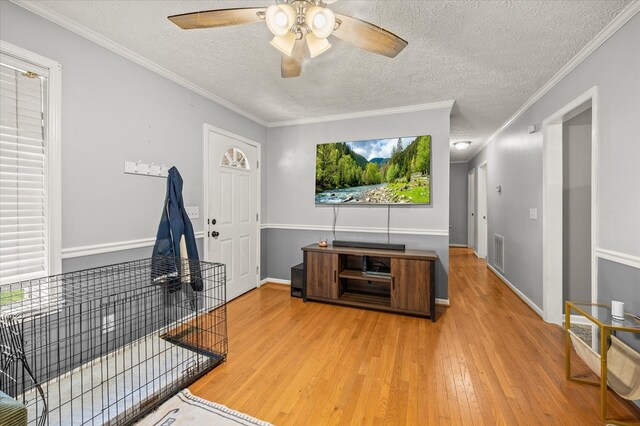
(599, 315)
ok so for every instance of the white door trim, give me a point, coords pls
(206, 175)
(552, 203)
(483, 209)
(471, 208)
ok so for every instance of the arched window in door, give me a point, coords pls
(234, 157)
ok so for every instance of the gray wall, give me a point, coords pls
(458, 182)
(576, 208)
(622, 283)
(515, 162)
(291, 188)
(115, 110)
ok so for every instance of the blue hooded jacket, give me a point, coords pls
(173, 225)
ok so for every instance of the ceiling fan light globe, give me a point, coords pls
(284, 43)
(321, 21)
(280, 18)
(317, 46)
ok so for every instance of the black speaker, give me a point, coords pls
(364, 244)
(296, 280)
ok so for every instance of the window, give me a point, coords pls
(234, 157)
(29, 169)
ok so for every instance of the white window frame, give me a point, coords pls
(236, 166)
(53, 169)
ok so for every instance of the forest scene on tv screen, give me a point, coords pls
(377, 171)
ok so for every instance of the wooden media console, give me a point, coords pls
(405, 283)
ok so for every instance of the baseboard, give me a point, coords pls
(476, 253)
(458, 245)
(275, 281)
(520, 294)
(579, 319)
(439, 302)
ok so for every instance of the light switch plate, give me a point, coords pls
(533, 214)
(193, 212)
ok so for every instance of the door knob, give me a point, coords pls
(215, 234)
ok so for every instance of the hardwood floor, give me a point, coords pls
(488, 360)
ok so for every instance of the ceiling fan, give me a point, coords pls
(294, 22)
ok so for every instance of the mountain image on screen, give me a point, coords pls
(377, 171)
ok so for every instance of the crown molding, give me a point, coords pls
(109, 44)
(612, 27)
(364, 114)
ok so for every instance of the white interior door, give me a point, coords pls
(471, 201)
(232, 228)
(482, 211)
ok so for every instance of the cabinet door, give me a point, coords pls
(410, 284)
(322, 275)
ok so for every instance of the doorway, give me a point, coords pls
(232, 193)
(483, 228)
(471, 203)
(576, 207)
(567, 250)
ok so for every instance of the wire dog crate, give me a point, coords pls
(107, 345)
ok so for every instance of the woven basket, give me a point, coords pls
(584, 351)
(623, 369)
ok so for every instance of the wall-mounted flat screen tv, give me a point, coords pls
(377, 171)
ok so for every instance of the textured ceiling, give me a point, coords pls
(488, 56)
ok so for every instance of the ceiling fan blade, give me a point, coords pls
(292, 65)
(218, 18)
(367, 36)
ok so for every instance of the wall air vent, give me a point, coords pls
(498, 251)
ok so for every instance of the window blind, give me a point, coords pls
(23, 171)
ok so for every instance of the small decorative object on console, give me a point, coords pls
(322, 243)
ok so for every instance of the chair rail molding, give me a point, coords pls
(616, 256)
(93, 249)
(324, 228)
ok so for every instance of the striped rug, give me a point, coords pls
(189, 410)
